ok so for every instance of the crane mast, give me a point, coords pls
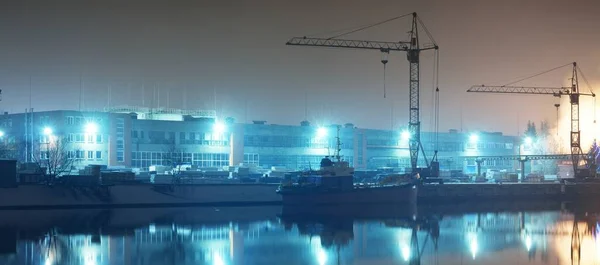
(414, 124)
(413, 50)
(577, 156)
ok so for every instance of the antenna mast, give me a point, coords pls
(338, 147)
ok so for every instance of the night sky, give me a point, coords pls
(186, 50)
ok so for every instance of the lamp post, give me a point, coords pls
(219, 128)
(47, 131)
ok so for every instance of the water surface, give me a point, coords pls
(259, 235)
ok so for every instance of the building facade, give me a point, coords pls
(141, 137)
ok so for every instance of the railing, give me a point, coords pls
(129, 109)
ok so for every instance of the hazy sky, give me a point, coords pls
(189, 49)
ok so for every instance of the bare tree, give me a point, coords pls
(8, 150)
(547, 144)
(55, 157)
(173, 156)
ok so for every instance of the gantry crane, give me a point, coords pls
(413, 48)
(573, 92)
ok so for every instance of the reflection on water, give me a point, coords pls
(549, 237)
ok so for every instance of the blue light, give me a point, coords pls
(405, 135)
(321, 132)
(474, 138)
(47, 131)
(219, 127)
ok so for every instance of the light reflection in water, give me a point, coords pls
(516, 238)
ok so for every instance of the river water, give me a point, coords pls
(261, 235)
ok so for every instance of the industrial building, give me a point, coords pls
(135, 137)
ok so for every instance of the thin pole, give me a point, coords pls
(158, 95)
(392, 115)
(557, 127)
(184, 96)
(168, 97)
(306, 105)
(215, 96)
(30, 94)
(26, 135)
(109, 88)
(80, 90)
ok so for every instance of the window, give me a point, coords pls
(79, 154)
(90, 155)
(98, 155)
(251, 159)
(98, 138)
(120, 139)
(134, 134)
(70, 120)
(90, 138)
(119, 144)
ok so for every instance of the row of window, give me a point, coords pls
(292, 141)
(80, 154)
(84, 138)
(252, 159)
(162, 137)
(79, 120)
(120, 139)
(144, 159)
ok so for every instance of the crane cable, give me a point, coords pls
(538, 74)
(587, 83)
(384, 61)
(369, 26)
(437, 95)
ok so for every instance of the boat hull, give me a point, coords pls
(376, 195)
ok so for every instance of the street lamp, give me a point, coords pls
(1, 134)
(528, 140)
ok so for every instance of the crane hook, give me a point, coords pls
(384, 61)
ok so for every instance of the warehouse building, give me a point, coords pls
(133, 137)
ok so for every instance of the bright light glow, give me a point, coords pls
(321, 132)
(528, 242)
(321, 256)
(405, 135)
(473, 244)
(88, 254)
(528, 140)
(1, 134)
(47, 131)
(217, 259)
(152, 229)
(597, 242)
(219, 127)
(91, 127)
(473, 138)
(405, 252)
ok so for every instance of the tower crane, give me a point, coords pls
(573, 92)
(413, 48)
